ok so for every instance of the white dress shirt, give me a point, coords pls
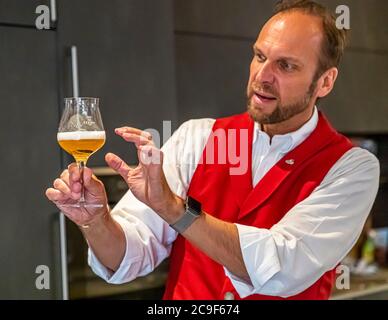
(312, 238)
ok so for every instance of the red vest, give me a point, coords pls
(193, 275)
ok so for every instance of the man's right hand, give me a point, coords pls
(67, 190)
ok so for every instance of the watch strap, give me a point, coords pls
(193, 211)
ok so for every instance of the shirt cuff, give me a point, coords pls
(131, 257)
(260, 258)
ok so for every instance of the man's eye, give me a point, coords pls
(286, 66)
(260, 57)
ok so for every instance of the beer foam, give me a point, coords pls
(81, 135)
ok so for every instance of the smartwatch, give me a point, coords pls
(193, 211)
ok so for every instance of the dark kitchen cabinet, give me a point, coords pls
(22, 12)
(29, 160)
(222, 18)
(125, 57)
(368, 25)
(211, 83)
(358, 103)
(213, 41)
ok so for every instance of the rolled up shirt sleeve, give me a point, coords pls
(130, 264)
(148, 242)
(315, 235)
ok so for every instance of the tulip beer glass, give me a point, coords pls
(81, 133)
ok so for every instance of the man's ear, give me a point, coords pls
(326, 82)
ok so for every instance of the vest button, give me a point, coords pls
(229, 296)
(290, 162)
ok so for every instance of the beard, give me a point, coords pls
(282, 111)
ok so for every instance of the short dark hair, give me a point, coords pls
(334, 39)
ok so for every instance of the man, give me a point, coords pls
(277, 229)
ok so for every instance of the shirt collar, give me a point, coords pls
(290, 140)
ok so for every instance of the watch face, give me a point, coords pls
(194, 204)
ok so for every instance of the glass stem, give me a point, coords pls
(81, 166)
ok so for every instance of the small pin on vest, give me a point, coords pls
(290, 162)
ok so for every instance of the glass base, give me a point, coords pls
(82, 205)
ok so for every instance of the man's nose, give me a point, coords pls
(265, 73)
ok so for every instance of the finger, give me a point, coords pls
(137, 139)
(150, 155)
(71, 193)
(74, 188)
(91, 183)
(71, 180)
(74, 175)
(55, 195)
(65, 177)
(143, 133)
(117, 164)
(133, 132)
(60, 185)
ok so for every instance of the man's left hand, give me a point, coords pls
(147, 181)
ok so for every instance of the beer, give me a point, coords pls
(81, 144)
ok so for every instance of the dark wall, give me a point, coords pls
(20, 12)
(213, 49)
(126, 58)
(213, 42)
(359, 100)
